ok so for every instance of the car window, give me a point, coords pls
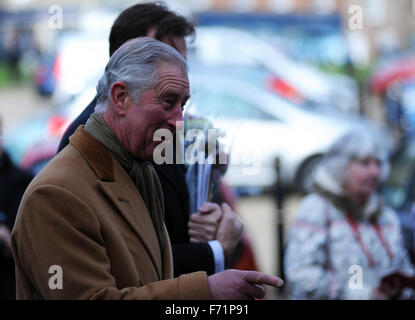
(216, 104)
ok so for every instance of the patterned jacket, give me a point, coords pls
(337, 252)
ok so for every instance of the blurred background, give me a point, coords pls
(282, 78)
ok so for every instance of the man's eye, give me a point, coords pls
(170, 102)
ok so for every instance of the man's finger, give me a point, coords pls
(207, 228)
(262, 278)
(202, 219)
(194, 226)
(208, 207)
(197, 218)
(255, 291)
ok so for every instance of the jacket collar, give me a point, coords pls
(95, 153)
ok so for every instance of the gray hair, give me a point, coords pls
(135, 63)
(353, 146)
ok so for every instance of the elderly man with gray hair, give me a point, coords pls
(90, 225)
(345, 241)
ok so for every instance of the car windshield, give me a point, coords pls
(398, 188)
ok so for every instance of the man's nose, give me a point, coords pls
(176, 116)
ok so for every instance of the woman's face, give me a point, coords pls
(363, 176)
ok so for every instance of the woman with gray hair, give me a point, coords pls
(344, 240)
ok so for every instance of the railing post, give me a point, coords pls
(279, 198)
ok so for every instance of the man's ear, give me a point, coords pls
(119, 96)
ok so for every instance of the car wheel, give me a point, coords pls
(304, 175)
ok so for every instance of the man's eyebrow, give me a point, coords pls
(168, 92)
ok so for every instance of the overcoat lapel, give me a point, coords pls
(132, 208)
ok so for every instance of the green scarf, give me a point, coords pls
(141, 172)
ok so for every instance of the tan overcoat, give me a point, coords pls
(84, 232)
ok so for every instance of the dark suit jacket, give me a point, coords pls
(187, 257)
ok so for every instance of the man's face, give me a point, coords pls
(158, 108)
